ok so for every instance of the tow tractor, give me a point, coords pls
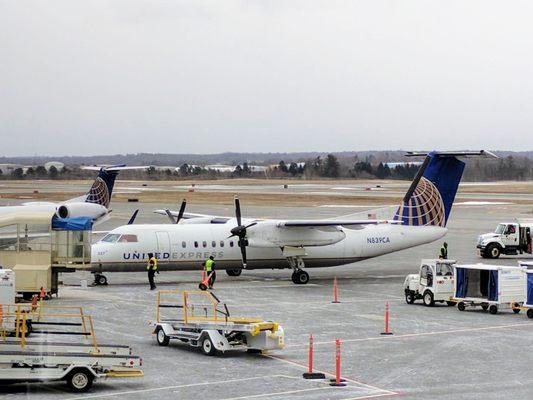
(201, 320)
(76, 363)
(433, 283)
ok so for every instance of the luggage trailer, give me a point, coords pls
(527, 305)
(491, 287)
(202, 321)
(79, 364)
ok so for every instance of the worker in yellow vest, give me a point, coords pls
(152, 269)
(209, 268)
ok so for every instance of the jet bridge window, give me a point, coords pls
(128, 239)
(110, 238)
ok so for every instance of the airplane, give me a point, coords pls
(94, 204)
(243, 243)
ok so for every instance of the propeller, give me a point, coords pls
(240, 232)
(133, 216)
(180, 213)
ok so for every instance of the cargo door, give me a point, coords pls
(163, 242)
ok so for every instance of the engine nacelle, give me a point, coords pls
(269, 235)
(81, 209)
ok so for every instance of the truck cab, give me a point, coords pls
(433, 283)
(509, 238)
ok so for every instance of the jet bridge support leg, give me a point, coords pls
(299, 276)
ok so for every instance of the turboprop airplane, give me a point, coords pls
(93, 204)
(241, 243)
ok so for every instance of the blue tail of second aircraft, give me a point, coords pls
(102, 188)
(430, 198)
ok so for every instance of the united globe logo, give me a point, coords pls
(99, 194)
(425, 207)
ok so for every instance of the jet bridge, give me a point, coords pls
(39, 245)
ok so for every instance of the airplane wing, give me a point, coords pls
(329, 222)
(213, 219)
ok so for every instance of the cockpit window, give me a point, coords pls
(128, 239)
(110, 238)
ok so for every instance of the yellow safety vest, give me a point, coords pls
(150, 267)
(209, 265)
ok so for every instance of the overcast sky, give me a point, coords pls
(118, 76)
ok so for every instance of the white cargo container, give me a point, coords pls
(490, 286)
(7, 286)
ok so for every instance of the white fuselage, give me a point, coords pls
(186, 246)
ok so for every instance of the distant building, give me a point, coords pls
(393, 165)
(231, 168)
(7, 169)
(57, 164)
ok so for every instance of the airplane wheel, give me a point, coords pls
(529, 313)
(300, 277)
(234, 272)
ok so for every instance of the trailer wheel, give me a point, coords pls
(493, 309)
(428, 299)
(529, 313)
(461, 306)
(493, 251)
(162, 338)
(409, 298)
(207, 346)
(80, 380)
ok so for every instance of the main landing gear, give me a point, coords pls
(100, 280)
(234, 272)
(299, 276)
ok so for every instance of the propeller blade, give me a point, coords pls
(170, 216)
(134, 215)
(243, 254)
(182, 210)
(238, 211)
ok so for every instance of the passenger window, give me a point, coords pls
(195, 244)
(221, 243)
(183, 244)
(213, 244)
(204, 243)
(128, 239)
(230, 244)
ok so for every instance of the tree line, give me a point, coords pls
(329, 166)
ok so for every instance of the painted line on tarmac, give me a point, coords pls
(128, 392)
(256, 396)
(384, 392)
(414, 335)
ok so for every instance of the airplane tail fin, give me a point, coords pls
(430, 197)
(102, 188)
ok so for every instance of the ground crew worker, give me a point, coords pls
(443, 254)
(210, 268)
(152, 269)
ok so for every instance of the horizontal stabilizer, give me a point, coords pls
(463, 154)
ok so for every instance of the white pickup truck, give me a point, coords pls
(433, 283)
